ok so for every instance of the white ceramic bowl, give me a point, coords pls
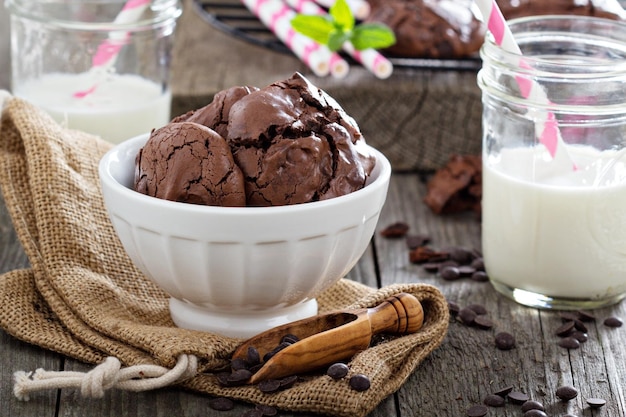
(239, 271)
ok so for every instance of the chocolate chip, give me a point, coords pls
(431, 266)
(480, 276)
(569, 343)
(586, 316)
(483, 322)
(478, 308)
(266, 410)
(517, 397)
(337, 370)
(565, 329)
(477, 410)
(395, 230)
(238, 363)
(596, 402)
(269, 386)
(579, 325)
(466, 271)
(253, 357)
(454, 308)
(424, 254)
(239, 377)
(450, 273)
(493, 400)
(532, 405)
(566, 393)
(221, 404)
(503, 392)
(461, 255)
(535, 413)
(252, 413)
(415, 241)
(289, 338)
(467, 316)
(580, 336)
(288, 381)
(505, 341)
(613, 322)
(568, 316)
(359, 382)
(478, 264)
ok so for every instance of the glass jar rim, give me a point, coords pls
(166, 12)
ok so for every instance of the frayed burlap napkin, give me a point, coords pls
(85, 299)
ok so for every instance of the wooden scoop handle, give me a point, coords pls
(400, 313)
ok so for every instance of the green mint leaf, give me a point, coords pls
(337, 39)
(315, 27)
(372, 35)
(342, 15)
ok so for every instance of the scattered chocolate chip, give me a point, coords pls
(454, 308)
(478, 264)
(290, 338)
(221, 404)
(266, 410)
(359, 382)
(461, 255)
(395, 230)
(613, 322)
(431, 266)
(565, 328)
(288, 381)
(566, 393)
(479, 276)
(450, 273)
(596, 402)
(483, 322)
(466, 271)
(478, 308)
(415, 241)
(253, 357)
(477, 410)
(569, 343)
(493, 400)
(517, 397)
(532, 405)
(239, 377)
(337, 370)
(580, 336)
(467, 316)
(568, 316)
(269, 386)
(503, 392)
(579, 325)
(252, 413)
(586, 316)
(238, 363)
(535, 413)
(505, 341)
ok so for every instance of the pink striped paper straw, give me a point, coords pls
(370, 58)
(109, 49)
(360, 8)
(276, 15)
(546, 129)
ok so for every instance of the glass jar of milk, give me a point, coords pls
(100, 66)
(554, 228)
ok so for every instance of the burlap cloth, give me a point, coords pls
(84, 298)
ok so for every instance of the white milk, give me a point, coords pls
(562, 235)
(121, 106)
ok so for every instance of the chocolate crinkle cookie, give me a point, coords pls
(457, 186)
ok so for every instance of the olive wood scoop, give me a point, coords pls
(332, 337)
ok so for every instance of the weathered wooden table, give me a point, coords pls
(455, 377)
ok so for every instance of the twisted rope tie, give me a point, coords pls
(107, 375)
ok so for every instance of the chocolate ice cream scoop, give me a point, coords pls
(294, 144)
(190, 163)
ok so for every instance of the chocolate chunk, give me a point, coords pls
(566, 392)
(461, 255)
(596, 402)
(467, 316)
(532, 405)
(424, 254)
(359, 382)
(238, 363)
(337, 370)
(505, 341)
(288, 381)
(448, 191)
(483, 322)
(477, 410)
(240, 376)
(613, 322)
(290, 339)
(252, 356)
(493, 400)
(221, 404)
(517, 397)
(415, 241)
(579, 325)
(395, 230)
(450, 273)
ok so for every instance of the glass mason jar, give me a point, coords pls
(554, 162)
(101, 66)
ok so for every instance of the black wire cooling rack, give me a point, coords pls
(232, 17)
